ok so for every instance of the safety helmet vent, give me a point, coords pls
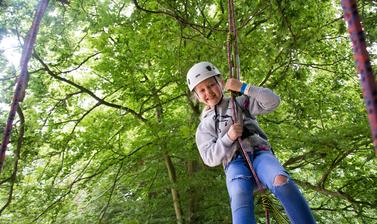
(200, 72)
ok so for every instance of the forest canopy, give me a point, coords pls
(106, 131)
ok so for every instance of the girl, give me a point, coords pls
(216, 138)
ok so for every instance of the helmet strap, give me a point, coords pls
(218, 83)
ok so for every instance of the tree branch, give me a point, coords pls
(87, 91)
(83, 62)
(333, 165)
(60, 101)
(116, 179)
(16, 158)
(338, 193)
(272, 69)
(177, 17)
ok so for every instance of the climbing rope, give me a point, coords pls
(235, 71)
(360, 53)
(22, 80)
(232, 42)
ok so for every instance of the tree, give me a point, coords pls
(107, 108)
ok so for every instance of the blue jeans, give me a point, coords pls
(241, 184)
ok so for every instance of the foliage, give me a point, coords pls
(107, 107)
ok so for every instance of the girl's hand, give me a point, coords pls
(235, 131)
(233, 85)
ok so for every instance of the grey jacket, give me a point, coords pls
(215, 146)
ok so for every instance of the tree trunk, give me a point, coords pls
(192, 168)
(168, 163)
(173, 179)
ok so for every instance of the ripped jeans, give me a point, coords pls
(241, 184)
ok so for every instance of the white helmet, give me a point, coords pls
(200, 72)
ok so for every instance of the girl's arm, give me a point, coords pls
(261, 100)
(211, 148)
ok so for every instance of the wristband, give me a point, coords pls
(247, 90)
(243, 87)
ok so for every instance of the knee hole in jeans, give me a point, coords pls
(240, 192)
(280, 180)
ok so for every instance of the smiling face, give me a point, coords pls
(209, 91)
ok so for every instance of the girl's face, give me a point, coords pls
(209, 91)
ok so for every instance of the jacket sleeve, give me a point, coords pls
(211, 148)
(262, 100)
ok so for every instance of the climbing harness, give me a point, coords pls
(234, 71)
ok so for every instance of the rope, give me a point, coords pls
(23, 78)
(360, 53)
(235, 70)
